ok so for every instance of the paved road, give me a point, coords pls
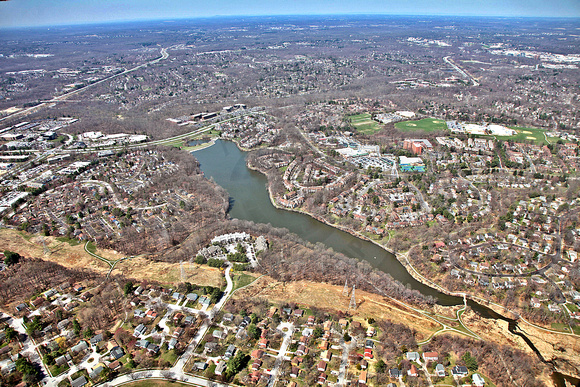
(24, 112)
(282, 353)
(180, 363)
(346, 349)
(450, 62)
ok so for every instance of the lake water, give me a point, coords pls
(226, 164)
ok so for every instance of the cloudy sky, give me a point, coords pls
(14, 13)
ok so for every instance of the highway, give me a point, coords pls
(450, 62)
(60, 98)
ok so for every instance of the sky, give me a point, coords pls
(21, 13)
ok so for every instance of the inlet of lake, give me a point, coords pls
(226, 164)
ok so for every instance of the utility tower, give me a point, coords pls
(45, 247)
(345, 290)
(352, 304)
(182, 272)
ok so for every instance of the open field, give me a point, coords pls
(364, 124)
(170, 273)
(527, 135)
(425, 125)
(325, 296)
(61, 252)
(73, 255)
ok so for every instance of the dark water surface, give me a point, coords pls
(226, 164)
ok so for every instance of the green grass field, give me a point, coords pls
(364, 124)
(528, 134)
(425, 125)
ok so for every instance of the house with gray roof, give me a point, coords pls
(81, 346)
(96, 372)
(79, 382)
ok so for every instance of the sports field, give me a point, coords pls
(363, 123)
(525, 135)
(425, 125)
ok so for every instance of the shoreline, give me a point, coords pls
(401, 257)
(501, 312)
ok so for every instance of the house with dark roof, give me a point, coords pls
(117, 352)
(79, 382)
(140, 330)
(96, 372)
(459, 371)
(96, 339)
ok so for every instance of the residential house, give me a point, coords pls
(412, 356)
(440, 370)
(477, 380)
(96, 339)
(263, 343)
(230, 351)
(362, 379)
(79, 382)
(256, 364)
(115, 365)
(62, 360)
(430, 356)
(257, 354)
(177, 317)
(321, 367)
(81, 346)
(218, 334)
(96, 372)
(368, 353)
(294, 372)
(117, 352)
(459, 371)
(192, 297)
(395, 373)
(302, 350)
(221, 367)
(200, 365)
(140, 330)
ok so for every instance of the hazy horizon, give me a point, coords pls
(38, 13)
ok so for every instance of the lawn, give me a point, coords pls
(243, 279)
(527, 135)
(561, 327)
(363, 123)
(424, 125)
